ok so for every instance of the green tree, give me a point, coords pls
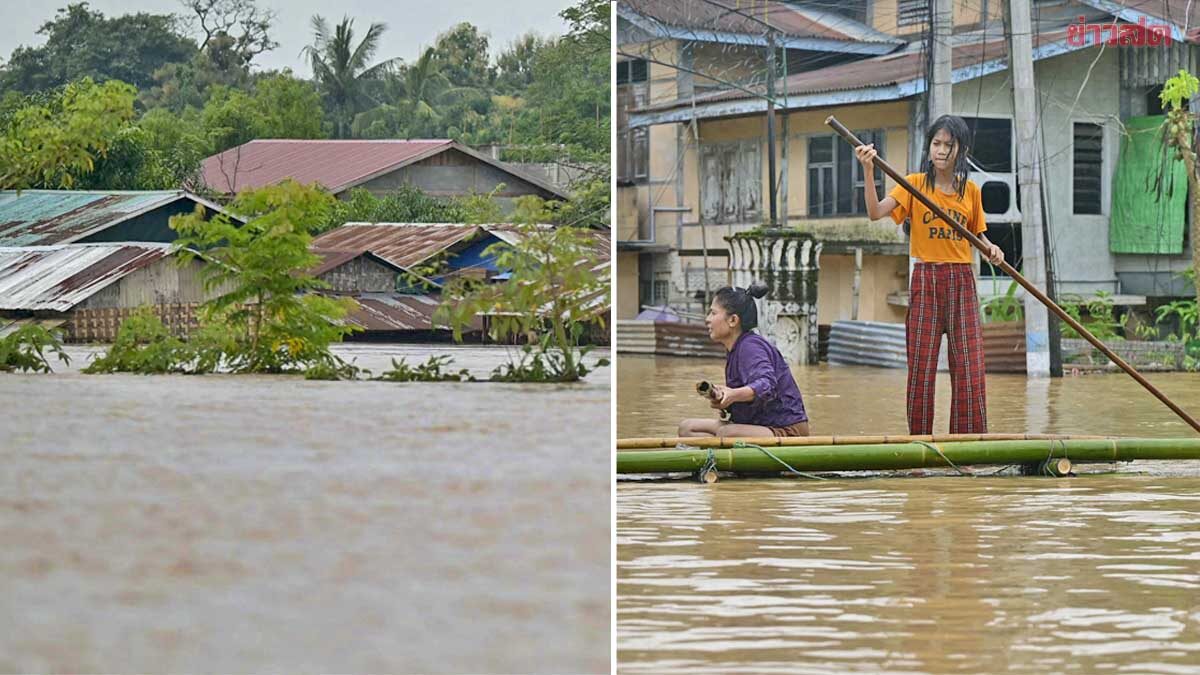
(514, 65)
(267, 318)
(568, 100)
(341, 69)
(82, 43)
(54, 139)
(462, 57)
(1179, 133)
(289, 107)
(554, 290)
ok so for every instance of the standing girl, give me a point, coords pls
(759, 389)
(942, 295)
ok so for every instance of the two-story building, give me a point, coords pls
(693, 142)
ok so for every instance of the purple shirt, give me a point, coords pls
(756, 363)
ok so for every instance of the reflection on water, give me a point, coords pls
(254, 523)
(1091, 574)
(934, 575)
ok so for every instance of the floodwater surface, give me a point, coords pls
(894, 573)
(264, 523)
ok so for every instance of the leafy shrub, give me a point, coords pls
(24, 349)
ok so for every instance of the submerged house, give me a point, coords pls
(387, 269)
(88, 289)
(440, 168)
(44, 217)
(693, 161)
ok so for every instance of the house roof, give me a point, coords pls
(59, 277)
(337, 165)
(401, 244)
(747, 21)
(397, 311)
(43, 217)
(1177, 13)
(889, 77)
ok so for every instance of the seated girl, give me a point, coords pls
(759, 390)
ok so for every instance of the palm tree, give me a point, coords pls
(342, 70)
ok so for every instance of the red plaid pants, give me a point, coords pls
(943, 300)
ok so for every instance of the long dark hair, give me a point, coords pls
(960, 133)
(740, 302)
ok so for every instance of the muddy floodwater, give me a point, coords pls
(254, 523)
(904, 574)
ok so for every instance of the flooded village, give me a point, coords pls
(305, 371)
(732, 172)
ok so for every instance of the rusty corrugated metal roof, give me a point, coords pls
(44, 217)
(59, 277)
(397, 311)
(337, 165)
(401, 244)
(734, 16)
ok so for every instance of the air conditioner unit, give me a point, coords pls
(999, 191)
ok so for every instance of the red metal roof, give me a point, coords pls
(336, 165)
(401, 244)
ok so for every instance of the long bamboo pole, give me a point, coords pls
(885, 456)
(853, 140)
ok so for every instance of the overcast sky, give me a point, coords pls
(411, 23)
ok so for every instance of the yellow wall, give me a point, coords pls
(627, 285)
(892, 117)
(627, 213)
(966, 14)
(881, 275)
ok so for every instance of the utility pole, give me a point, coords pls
(943, 30)
(1033, 247)
(771, 122)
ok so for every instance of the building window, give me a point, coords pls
(912, 12)
(1008, 237)
(661, 292)
(631, 71)
(633, 145)
(731, 182)
(835, 177)
(991, 144)
(1087, 165)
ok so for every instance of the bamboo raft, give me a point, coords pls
(1041, 453)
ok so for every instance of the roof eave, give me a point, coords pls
(870, 94)
(725, 37)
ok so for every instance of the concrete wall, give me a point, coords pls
(881, 275)
(883, 15)
(627, 285)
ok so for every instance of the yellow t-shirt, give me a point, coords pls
(932, 239)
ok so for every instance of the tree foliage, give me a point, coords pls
(52, 139)
(25, 349)
(1179, 133)
(267, 319)
(342, 69)
(553, 291)
(83, 43)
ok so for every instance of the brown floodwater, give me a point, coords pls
(904, 574)
(254, 523)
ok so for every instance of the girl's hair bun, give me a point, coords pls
(758, 290)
